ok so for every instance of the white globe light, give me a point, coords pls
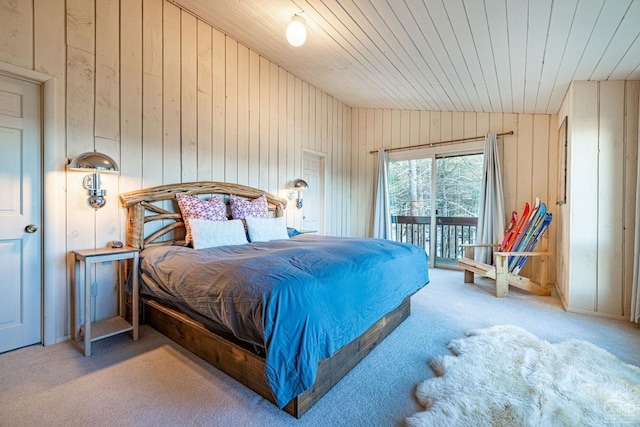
(296, 32)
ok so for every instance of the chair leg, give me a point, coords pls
(468, 274)
(502, 276)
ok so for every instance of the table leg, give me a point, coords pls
(134, 300)
(87, 309)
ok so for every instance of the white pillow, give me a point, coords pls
(266, 229)
(208, 234)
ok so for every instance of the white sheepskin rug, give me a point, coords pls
(505, 376)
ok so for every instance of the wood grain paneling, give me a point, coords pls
(598, 221)
(173, 100)
(131, 112)
(610, 204)
(17, 33)
(582, 193)
(205, 104)
(524, 155)
(189, 98)
(631, 108)
(107, 69)
(218, 43)
(489, 55)
(50, 58)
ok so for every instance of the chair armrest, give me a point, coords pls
(468, 249)
(523, 253)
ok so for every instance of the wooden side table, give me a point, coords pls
(84, 259)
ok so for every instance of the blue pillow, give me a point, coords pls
(292, 232)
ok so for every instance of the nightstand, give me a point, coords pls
(84, 259)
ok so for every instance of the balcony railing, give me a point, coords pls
(451, 233)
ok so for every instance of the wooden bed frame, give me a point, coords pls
(232, 357)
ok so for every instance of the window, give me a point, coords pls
(455, 181)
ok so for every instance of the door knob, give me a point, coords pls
(31, 228)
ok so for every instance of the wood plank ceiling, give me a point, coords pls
(513, 56)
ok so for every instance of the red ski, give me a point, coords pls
(533, 216)
(509, 231)
(514, 235)
(532, 228)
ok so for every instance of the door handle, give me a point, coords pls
(31, 228)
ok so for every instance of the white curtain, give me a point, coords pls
(491, 220)
(635, 290)
(382, 218)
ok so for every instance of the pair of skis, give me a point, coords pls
(516, 227)
(522, 235)
(534, 241)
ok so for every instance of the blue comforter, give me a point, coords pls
(300, 299)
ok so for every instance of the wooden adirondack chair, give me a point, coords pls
(500, 271)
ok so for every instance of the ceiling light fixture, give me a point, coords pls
(296, 31)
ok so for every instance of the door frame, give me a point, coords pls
(321, 157)
(52, 193)
(434, 153)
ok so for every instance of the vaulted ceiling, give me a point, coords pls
(444, 55)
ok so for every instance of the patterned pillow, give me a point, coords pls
(242, 208)
(213, 209)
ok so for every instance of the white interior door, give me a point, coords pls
(20, 214)
(313, 207)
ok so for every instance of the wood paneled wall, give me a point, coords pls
(172, 100)
(598, 222)
(529, 156)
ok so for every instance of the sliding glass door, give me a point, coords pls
(457, 189)
(444, 187)
(410, 190)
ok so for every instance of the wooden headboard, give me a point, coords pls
(146, 205)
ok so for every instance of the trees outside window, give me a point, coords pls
(458, 181)
(410, 187)
(457, 186)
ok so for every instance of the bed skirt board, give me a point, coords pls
(248, 368)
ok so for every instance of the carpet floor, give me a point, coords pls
(155, 382)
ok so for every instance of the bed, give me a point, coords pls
(287, 317)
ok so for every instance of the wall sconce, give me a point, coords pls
(299, 185)
(95, 163)
(296, 31)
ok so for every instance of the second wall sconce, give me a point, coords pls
(298, 185)
(95, 163)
